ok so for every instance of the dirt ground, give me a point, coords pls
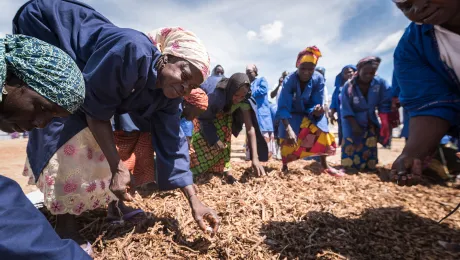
(301, 215)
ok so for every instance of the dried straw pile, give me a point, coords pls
(302, 215)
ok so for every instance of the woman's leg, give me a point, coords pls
(67, 228)
(328, 169)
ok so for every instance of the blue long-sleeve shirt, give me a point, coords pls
(25, 233)
(363, 109)
(428, 86)
(259, 88)
(294, 104)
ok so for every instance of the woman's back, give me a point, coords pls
(76, 28)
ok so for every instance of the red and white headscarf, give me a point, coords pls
(183, 44)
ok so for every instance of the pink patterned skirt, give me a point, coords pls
(77, 177)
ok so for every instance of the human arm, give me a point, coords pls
(173, 161)
(251, 133)
(430, 100)
(111, 75)
(334, 104)
(347, 110)
(216, 101)
(314, 106)
(285, 103)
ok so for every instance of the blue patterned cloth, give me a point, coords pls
(44, 68)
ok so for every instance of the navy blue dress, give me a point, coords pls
(25, 233)
(118, 67)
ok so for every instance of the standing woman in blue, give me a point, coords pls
(304, 130)
(427, 70)
(75, 161)
(259, 89)
(346, 74)
(361, 96)
(210, 83)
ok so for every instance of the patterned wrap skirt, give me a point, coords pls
(136, 152)
(311, 141)
(361, 155)
(204, 158)
(76, 178)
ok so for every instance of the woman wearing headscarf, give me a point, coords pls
(37, 83)
(210, 83)
(75, 161)
(134, 140)
(427, 70)
(230, 106)
(346, 74)
(304, 130)
(361, 96)
(259, 90)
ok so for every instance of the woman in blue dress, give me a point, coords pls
(361, 96)
(75, 161)
(259, 89)
(304, 130)
(346, 74)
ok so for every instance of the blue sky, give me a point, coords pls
(267, 33)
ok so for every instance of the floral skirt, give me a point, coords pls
(136, 152)
(204, 158)
(362, 155)
(76, 178)
(311, 141)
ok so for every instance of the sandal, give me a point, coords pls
(336, 173)
(88, 249)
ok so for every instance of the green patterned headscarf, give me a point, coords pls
(43, 67)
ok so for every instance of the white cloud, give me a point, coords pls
(389, 42)
(251, 35)
(269, 33)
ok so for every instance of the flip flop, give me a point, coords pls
(88, 249)
(125, 217)
(338, 174)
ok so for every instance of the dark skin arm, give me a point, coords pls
(200, 212)
(291, 137)
(275, 91)
(251, 132)
(423, 140)
(102, 132)
(332, 115)
(357, 131)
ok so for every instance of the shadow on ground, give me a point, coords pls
(383, 233)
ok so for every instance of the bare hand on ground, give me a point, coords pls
(258, 168)
(406, 171)
(120, 181)
(205, 217)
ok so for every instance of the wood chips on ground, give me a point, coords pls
(302, 215)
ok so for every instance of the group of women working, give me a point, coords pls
(69, 71)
